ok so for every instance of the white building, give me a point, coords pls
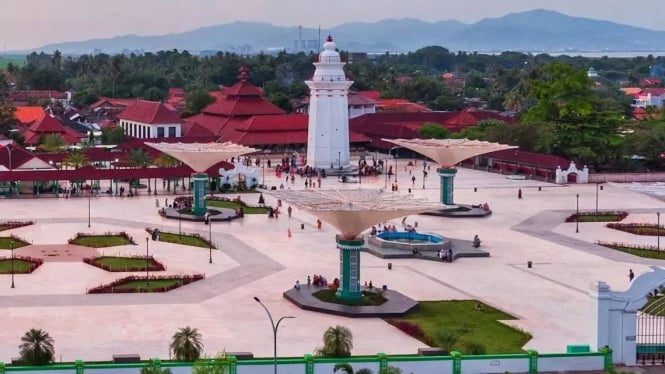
(328, 129)
(150, 119)
(649, 97)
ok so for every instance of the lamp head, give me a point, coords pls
(257, 299)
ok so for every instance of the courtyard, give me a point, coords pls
(256, 257)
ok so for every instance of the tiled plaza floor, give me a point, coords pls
(257, 258)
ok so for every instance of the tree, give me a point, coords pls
(206, 365)
(186, 344)
(154, 370)
(76, 160)
(348, 369)
(53, 142)
(113, 135)
(432, 130)
(337, 342)
(196, 100)
(138, 158)
(36, 347)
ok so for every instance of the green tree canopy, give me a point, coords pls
(197, 99)
(432, 130)
(337, 342)
(186, 344)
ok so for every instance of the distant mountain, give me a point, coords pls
(532, 31)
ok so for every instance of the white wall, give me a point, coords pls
(513, 365)
(327, 368)
(269, 369)
(424, 367)
(570, 363)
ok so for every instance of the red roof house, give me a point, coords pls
(48, 125)
(28, 114)
(150, 119)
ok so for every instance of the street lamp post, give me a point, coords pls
(658, 231)
(147, 262)
(274, 331)
(89, 202)
(11, 248)
(210, 235)
(339, 159)
(179, 221)
(577, 214)
(424, 173)
(263, 176)
(597, 198)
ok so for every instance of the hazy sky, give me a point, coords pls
(34, 23)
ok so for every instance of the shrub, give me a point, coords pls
(110, 287)
(9, 225)
(411, 329)
(600, 217)
(637, 228)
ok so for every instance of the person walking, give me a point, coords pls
(519, 194)
(289, 210)
(631, 275)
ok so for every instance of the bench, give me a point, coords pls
(241, 355)
(432, 352)
(126, 358)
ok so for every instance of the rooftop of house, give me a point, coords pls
(28, 114)
(150, 112)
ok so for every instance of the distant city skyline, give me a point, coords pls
(29, 26)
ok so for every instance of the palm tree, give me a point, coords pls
(36, 347)
(348, 369)
(337, 342)
(76, 160)
(166, 161)
(53, 142)
(186, 344)
(138, 159)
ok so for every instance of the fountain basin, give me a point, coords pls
(406, 240)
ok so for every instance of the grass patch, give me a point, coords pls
(8, 242)
(22, 265)
(638, 228)
(472, 324)
(600, 217)
(369, 298)
(184, 239)
(635, 250)
(113, 263)
(136, 284)
(101, 241)
(8, 225)
(234, 205)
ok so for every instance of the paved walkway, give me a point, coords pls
(257, 258)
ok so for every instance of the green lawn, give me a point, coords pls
(150, 286)
(472, 326)
(183, 239)
(125, 263)
(20, 266)
(16, 243)
(599, 217)
(16, 60)
(234, 205)
(369, 298)
(99, 241)
(640, 252)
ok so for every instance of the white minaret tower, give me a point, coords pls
(328, 131)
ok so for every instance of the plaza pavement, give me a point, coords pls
(257, 258)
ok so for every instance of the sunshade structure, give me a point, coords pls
(200, 157)
(447, 153)
(351, 212)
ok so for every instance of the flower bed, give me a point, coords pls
(108, 239)
(646, 251)
(221, 202)
(638, 228)
(411, 329)
(124, 263)
(22, 264)
(137, 284)
(194, 240)
(8, 225)
(600, 217)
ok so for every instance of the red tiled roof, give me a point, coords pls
(28, 114)
(374, 95)
(653, 92)
(19, 156)
(242, 106)
(195, 129)
(401, 105)
(106, 102)
(49, 125)
(151, 112)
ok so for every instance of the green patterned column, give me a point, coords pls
(457, 362)
(199, 206)
(309, 364)
(533, 361)
(447, 185)
(79, 367)
(349, 269)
